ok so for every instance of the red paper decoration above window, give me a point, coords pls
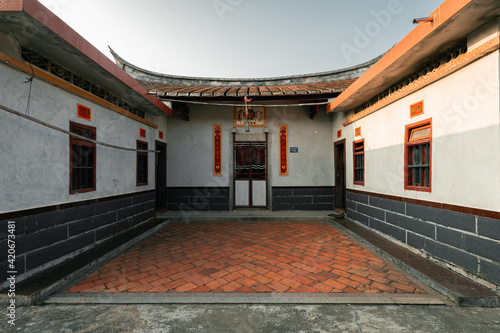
(84, 112)
(417, 109)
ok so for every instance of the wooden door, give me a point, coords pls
(340, 175)
(250, 174)
(161, 177)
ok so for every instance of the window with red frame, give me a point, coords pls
(359, 162)
(142, 163)
(418, 155)
(82, 159)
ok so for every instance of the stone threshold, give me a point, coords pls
(247, 215)
(245, 298)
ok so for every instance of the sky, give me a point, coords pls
(242, 38)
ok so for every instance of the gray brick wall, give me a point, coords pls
(198, 198)
(303, 198)
(467, 241)
(43, 238)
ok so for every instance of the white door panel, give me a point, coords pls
(259, 192)
(242, 193)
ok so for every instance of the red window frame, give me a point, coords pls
(424, 168)
(74, 141)
(142, 155)
(356, 152)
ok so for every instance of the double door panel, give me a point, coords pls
(250, 174)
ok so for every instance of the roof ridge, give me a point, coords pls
(326, 76)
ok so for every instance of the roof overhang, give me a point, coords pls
(452, 22)
(39, 29)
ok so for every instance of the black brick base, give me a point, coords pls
(198, 198)
(467, 241)
(303, 198)
(44, 237)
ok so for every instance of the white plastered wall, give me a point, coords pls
(162, 123)
(190, 147)
(313, 164)
(35, 159)
(464, 108)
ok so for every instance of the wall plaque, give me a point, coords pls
(256, 116)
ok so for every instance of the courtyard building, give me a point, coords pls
(407, 144)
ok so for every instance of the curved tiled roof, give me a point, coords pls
(240, 91)
(324, 83)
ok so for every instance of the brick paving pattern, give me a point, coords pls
(248, 257)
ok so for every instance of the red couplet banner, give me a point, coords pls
(217, 133)
(283, 130)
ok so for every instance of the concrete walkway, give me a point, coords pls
(252, 318)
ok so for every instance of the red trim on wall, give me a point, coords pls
(407, 144)
(12, 6)
(454, 208)
(43, 15)
(46, 76)
(426, 80)
(421, 32)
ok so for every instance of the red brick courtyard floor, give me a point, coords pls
(252, 257)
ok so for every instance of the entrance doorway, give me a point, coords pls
(340, 175)
(161, 177)
(250, 174)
